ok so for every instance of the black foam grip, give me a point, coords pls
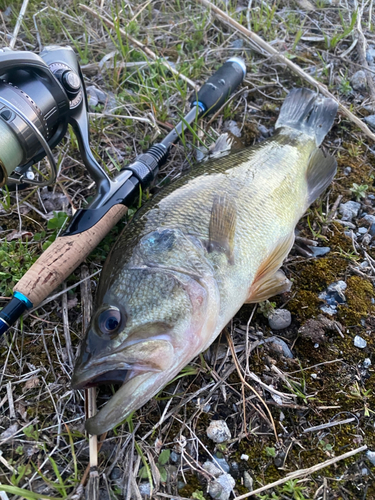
(219, 86)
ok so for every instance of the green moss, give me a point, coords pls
(358, 294)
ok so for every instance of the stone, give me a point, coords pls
(347, 170)
(248, 481)
(232, 127)
(319, 251)
(211, 468)
(362, 230)
(244, 457)
(221, 488)
(349, 210)
(370, 120)
(175, 457)
(358, 80)
(222, 463)
(360, 342)
(279, 346)
(370, 55)
(218, 431)
(144, 489)
(366, 363)
(371, 456)
(280, 319)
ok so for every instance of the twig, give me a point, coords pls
(90, 394)
(12, 413)
(362, 58)
(18, 24)
(329, 424)
(290, 64)
(65, 317)
(304, 472)
(140, 45)
(234, 356)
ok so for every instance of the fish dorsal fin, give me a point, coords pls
(320, 173)
(269, 280)
(222, 226)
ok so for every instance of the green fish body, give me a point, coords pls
(196, 253)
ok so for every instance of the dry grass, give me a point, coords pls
(43, 445)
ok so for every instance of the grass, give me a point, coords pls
(48, 457)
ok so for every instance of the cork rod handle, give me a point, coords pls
(63, 257)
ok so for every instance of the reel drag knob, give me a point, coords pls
(70, 81)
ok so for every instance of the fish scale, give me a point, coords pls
(195, 253)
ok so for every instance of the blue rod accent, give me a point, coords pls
(200, 104)
(20, 296)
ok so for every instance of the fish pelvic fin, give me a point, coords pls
(320, 173)
(308, 112)
(222, 226)
(269, 280)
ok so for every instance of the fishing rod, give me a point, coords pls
(39, 96)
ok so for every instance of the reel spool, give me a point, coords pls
(39, 96)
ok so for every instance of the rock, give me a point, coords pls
(319, 251)
(349, 210)
(232, 127)
(221, 463)
(347, 170)
(248, 481)
(264, 131)
(116, 473)
(218, 431)
(371, 456)
(370, 55)
(360, 342)
(144, 489)
(279, 346)
(211, 468)
(237, 44)
(362, 230)
(366, 363)
(369, 218)
(280, 319)
(244, 457)
(221, 488)
(370, 120)
(333, 296)
(9, 432)
(358, 80)
(234, 469)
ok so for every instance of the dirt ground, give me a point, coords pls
(289, 405)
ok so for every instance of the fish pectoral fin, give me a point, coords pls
(222, 226)
(272, 285)
(320, 173)
(269, 280)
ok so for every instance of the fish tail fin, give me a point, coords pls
(308, 112)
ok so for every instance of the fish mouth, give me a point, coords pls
(115, 377)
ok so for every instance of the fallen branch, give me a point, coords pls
(140, 45)
(290, 64)
(304, 472)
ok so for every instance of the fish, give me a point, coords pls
(195, 253)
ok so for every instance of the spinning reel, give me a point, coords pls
(39, 97)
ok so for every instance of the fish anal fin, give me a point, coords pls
(222, 226)
(270, 280)
(320, 173)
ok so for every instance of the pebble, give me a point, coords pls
(218, 431)
(280, 319)
(358, 80)
(370, 120)
(333, 296)
(211, 468)
(319, 251)
(222, 463)
(367, 363)
(175, 457)
(232, 127)
(280, 346)
(244, 457)
(349, 209)
(144, 489)
(116, 473)
(370, 55)
(248, 481)
(264, 130)
(362, 230)
(370, 218)
(364, 471)
(360, 342)
(221, 488)
(371, 456)
(237, 44)
(347, 170)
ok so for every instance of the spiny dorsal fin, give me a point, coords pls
(222, 226)
(320, 173)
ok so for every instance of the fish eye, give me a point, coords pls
(109, 321)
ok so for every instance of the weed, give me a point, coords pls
(267, 308)
(359, 190)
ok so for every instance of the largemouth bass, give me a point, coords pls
(196, 253)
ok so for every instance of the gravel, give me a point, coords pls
(280, 319)
(366, 363)
(221, 488)
(279, 346)
(371, 456)
(333, 296)
(211, 468)
(222, 463)
(144, 489)
(358, 80)
(349, 210)
(319, 251)
(370, 120)
(360, 342)
(248, 481)
(218, 431)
